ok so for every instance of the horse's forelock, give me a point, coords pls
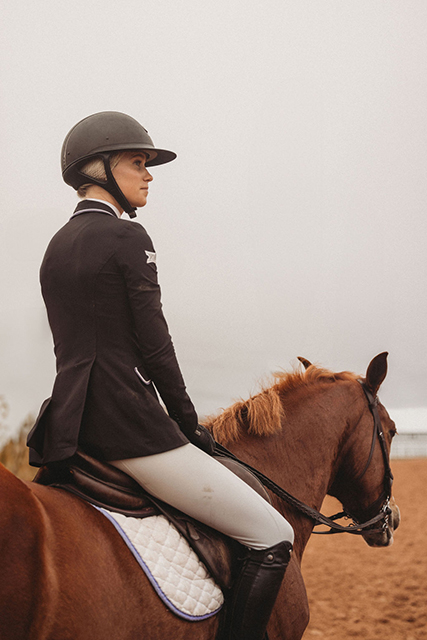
(263, 414)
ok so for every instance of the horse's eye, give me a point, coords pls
(392, 432)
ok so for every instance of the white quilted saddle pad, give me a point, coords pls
(173, 568)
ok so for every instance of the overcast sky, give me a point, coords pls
(293, 221)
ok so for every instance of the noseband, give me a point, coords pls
(381, 505)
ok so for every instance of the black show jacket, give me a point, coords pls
(99, 284)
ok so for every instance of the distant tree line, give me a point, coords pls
(14, 454)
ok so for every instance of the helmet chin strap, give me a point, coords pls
(111, 185)
(113, 188)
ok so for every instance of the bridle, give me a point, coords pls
(382, 504)
(383, 501)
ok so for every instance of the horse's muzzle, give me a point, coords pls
(384, 538)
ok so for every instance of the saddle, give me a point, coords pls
(106, 486)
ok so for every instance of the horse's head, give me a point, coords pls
(363, 479)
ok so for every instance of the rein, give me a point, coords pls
(356, 528)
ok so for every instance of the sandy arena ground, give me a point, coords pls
(356, 591)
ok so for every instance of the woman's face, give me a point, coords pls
(133, 177)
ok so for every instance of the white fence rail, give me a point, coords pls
(409, 445)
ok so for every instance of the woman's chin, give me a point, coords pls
(138, 203)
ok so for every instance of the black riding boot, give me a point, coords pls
(255, 592)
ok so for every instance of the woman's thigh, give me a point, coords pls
(197, 484)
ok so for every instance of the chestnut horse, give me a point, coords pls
(67, 575)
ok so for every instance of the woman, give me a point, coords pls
(114, 355)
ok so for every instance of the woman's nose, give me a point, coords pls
(148, 175)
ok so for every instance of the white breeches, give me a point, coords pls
(193, 482)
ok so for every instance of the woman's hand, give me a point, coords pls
(203, 439)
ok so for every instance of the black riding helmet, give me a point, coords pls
(99, 136)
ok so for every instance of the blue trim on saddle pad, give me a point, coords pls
(151, 578)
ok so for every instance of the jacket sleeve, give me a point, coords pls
(136, 260)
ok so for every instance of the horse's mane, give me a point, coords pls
(263, 414)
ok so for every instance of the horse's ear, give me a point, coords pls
(306, 363)
(377, 371)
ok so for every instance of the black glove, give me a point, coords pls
(203, 439)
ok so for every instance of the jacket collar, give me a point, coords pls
(96, 206)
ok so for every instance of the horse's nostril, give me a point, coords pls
(395, 516)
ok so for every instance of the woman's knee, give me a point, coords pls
(281, 532)
(287, 532)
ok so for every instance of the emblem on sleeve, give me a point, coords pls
(151, 256)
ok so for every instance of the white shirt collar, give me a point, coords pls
(114, 208)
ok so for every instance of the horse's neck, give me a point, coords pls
(314, 435)
(303, 457)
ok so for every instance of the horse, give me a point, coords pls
(67, 575)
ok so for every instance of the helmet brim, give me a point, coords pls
(73, 177)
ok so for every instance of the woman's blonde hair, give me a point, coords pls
(95, 169)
